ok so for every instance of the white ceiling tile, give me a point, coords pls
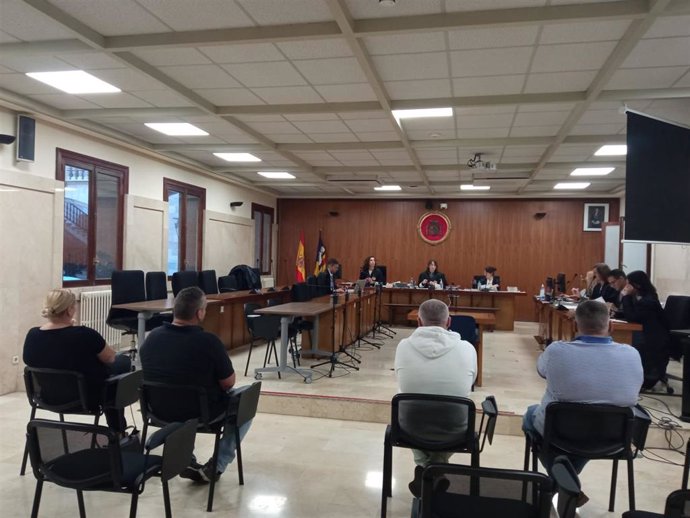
(523, 151)
(429, 124)
(229, 96)
(534, 131)
(6, 38)
(91, 60)
(270, 12)
(363, 115)
(62, 101)
(596, 129)
(112, 18)
(484, 121)
(559, 81)
(25, 85)
(573, 56)
(245, 53)
(490, 62)
(666, 26)
(390, 154)
(333, 137)
(659, 52)
(430, 65)
(311, 116)
(119, 100)
(684, 81)
(280, 73)
(429, 153)
(128, 79)
(495, 85)
(201, 76)
(396, 161)
(483, 38)
(378, 136)
(540, 118)
(367, 9)
(322, 126)
(288, 138)
(370, 125)
(477, 5)
(331, 71)
(27, 24)
(591, 30)
(346, 92)
(317, 158)
(5, 70)
(274, 127)
(183, 15)
(288, 94)
(163, 98)
(443, 175)
(418, 89)
(173, 56)
(40, 63)
(602, 117)
(405, 43)
(482, 132)
(314, 49)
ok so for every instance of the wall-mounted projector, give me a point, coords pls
(476, 162)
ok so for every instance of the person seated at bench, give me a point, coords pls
(60, 344)
(370, 272)
(431, 276)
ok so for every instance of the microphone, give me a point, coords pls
(334, 298)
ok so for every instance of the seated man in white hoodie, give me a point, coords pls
(434, 360)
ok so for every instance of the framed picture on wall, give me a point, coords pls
(594, 216)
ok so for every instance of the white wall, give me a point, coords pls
(31, 218)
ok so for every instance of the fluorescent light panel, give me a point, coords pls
(422, 113)
(176, 129)
(74, 82)
(470, 187)
(612, 150)
(238, 157)
(592, 171)
(388, 188)
(572, 185)
(278, 175)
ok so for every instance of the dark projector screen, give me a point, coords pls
(657, 184)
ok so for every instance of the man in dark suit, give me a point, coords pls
(326, 280)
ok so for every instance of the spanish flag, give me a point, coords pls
(300, 273)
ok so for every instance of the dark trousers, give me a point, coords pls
(115, 417)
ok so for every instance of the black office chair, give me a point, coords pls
(384, 273)
(314, 289)
(163, 403)
(262, 327)
(301, 292)
(156, 286)
(435, 423)
(66, 392)
(87, 457)
(677, 310)
(227, 283)
(208, 282)
(185, 279)
(466, 327)
(126, 286)
(591, 432)
(489, 492)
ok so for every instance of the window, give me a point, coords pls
(263, 232)
(94, 218)
(186, 205)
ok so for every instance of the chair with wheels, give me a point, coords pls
(185, 279)
(156, 286)
(227, 283)
(435, 423)
(163, 403)
(88, 457)
(591, 432)
(466, 327)
(66, 392)
(126, 286)
(208, 282)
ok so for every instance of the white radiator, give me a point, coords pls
(93, 312)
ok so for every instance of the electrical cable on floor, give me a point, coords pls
(670, 428)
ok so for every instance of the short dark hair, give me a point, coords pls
(187, 302)
(332, 261)
(592, 316)
(617, 274)
(490, 269)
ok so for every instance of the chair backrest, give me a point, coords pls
(248, 402)
(165, 403)
(208, 282)
(127, 286)
(227, 283)
(274, 302)
(484, 493)
(265, 326)
(156, 286)
(314, 289)
(677, 504)
(433, 422)
(301, 292)
(383, 271)
(185, 279)
(465, 326)
(677, 309)
(178, 451)
(57, 390)
(589, 431)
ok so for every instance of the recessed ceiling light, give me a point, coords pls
(612, 150)
(176, 129)
(422, 113)
(592, 171)
(388, 188)
(238, 157)
(74, 82)
(276, 174)
(572, 185)
(470, 187)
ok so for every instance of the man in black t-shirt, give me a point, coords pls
(183, 353)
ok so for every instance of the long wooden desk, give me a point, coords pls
(398, 301)
(483, 320)
(558, 324)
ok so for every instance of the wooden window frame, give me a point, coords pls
(266, 211)
(187, 189)
(65, 157)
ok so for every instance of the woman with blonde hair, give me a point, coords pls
(60, 344)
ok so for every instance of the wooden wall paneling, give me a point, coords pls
(503, 233)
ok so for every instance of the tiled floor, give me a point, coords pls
(305, 467)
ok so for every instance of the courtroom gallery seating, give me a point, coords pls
(185, 279)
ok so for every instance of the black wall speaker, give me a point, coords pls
(26, 138)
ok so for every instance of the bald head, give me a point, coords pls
(434, 312)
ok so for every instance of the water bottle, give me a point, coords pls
(411, 282)
(542, 292)
(440, 284)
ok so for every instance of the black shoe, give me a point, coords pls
(193, 472)
(206, 471)
(415, 486)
